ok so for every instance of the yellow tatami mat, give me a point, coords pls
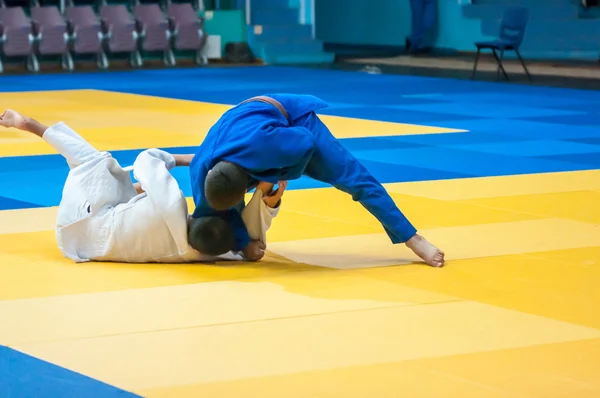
(112, 121)
(334, 309)
(520, 283)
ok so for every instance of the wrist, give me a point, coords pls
(183, 160)
(275, 206)
(24, 124)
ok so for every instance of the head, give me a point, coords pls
(225, 185)
(210, 235)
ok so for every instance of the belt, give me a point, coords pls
(268, 100)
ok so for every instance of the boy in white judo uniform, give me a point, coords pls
(104, 216)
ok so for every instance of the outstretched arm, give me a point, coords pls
(183, 160)
(15, 120)
(75, 149)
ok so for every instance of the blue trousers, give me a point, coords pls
(424, 16)
(333, 164)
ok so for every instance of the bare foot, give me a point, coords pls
(428, 252)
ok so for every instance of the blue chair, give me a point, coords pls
(512, 31)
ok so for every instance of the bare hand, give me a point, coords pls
(12, 118)
(272, 198)
(255, 250)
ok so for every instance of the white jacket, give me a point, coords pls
(102, 218)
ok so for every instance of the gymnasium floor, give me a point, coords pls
(504, 178)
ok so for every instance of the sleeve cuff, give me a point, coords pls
(164, 156)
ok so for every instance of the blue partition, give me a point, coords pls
(558, 29)
(282, 32)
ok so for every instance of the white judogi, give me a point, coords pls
(101, 217)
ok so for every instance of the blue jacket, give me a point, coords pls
(257, 137)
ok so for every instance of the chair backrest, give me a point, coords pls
(47, 16)
(183, 13)
(512, 27)
(13, 17)
(149, 13)
(82, 15)
(116, 14)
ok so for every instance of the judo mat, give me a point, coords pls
(504, 178)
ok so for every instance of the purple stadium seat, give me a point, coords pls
(153, 27)
(17, 38)
(52, 36)
(120, 32)
(86, 33)
(187, 29)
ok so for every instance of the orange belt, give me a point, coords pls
(268, 100)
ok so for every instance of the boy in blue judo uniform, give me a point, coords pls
(276, 138)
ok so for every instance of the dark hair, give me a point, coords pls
(225, 185)
(210, 235)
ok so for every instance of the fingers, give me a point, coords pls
(266, 187)
(256, 255)
(259, 251)
(7, 118)
(282, 185)
(255, 250)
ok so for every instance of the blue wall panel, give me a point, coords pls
(557, 28)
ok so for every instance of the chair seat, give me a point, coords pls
(495, 44)
(510, 37)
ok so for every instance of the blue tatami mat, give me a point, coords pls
(531, 148)
(23, 376)
(510, 129)
(12, 204)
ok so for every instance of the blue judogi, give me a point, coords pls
(257, 137)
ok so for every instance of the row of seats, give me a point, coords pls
(80, 31)
(196, 4)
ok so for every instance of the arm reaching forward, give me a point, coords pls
(74, 148)
(180, 160)
(14, 119)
